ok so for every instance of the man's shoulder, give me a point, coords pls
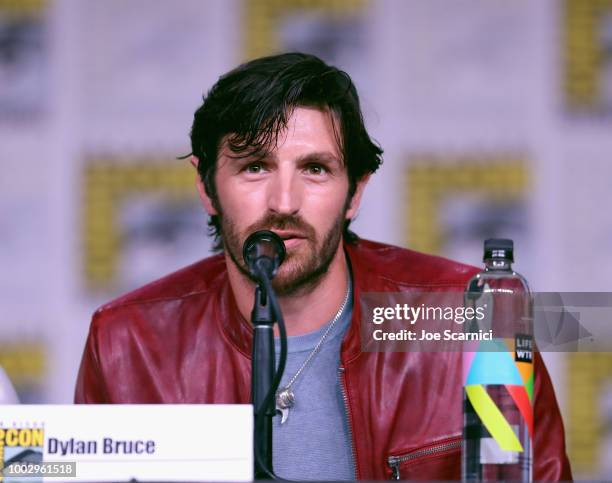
(195, 279)
(409, 267)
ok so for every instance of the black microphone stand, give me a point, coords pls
(263, 252)
(263, 369)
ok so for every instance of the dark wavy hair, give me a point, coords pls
(250, 105)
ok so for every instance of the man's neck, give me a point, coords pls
(303, 312)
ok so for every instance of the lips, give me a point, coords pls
(287, 235)
(290, 238)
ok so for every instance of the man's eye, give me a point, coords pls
(253, 168)
(315, 169)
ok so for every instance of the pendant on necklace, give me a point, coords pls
(285, 400)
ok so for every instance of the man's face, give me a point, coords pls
(299, 191)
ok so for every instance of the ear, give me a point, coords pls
(204, 198)
(356, 199)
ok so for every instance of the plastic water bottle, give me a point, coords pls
(498, 377)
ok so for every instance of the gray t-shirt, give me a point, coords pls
(314, 443)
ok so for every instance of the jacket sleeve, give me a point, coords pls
(90, 385)
(550, 458)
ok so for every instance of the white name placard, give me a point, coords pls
(172, 442)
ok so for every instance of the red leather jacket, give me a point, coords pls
(182, 340)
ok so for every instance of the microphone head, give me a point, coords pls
(263, 248)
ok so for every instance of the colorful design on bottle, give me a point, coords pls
(493, 419)
(494, 363)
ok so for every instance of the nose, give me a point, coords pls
(285, 193)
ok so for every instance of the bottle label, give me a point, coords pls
(523, 348)
(501, 362)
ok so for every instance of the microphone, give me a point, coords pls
(263, 251)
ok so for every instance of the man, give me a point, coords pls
(280, 144)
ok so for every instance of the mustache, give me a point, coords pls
(276, 221)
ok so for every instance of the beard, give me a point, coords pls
(304, 265)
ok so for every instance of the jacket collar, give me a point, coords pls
(361, 276)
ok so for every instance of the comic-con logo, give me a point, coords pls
(21, 445)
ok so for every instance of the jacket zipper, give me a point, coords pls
(394, 462)
(348, 419)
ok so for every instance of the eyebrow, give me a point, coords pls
(320, 157)
(323, 157)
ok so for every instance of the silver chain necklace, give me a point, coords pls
(285, 398)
